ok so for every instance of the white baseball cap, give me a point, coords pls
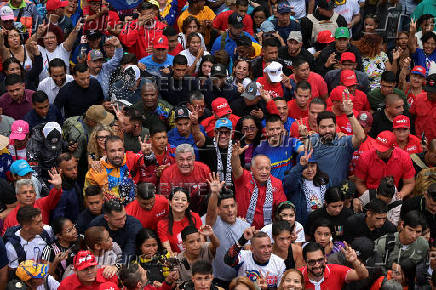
(274, 71)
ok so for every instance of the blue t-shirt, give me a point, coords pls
(334, 158)
(175, 139)
(287, 124)
(154, 67)
(282, 156)
(230, 44)
(420, 58)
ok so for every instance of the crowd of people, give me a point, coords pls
(218, 144)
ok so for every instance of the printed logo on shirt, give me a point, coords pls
(411, 148)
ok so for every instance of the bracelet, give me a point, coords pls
(350, 115)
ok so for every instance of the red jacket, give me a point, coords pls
(72, 282)
(139, 39)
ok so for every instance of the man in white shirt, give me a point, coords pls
(57, 79)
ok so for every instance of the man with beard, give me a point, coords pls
(308, 125)
(57, 79)
(385, 160)
(294, 49)
(333, 153)
(279, 147)
(222, 211)
(302, 72)
(278, 106)
(332, 276)
(120, 170)
(257, 263)
(70, 204)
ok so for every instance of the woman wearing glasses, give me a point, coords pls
(250, 131)
(96, 144)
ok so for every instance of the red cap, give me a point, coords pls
(337, 93)
(384, 141)
(348, 78)
(161, 42)
(55, 4)
(401, 121)
(348, 56)
(83, 260)
(221, 107)
(365, 119)
(325, 36)
(419, 70)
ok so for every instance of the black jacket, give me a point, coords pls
(331, 48)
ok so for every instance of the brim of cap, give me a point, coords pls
(417, 73)
(350, 83)
(87, 265)
(108, 120)
(401, 126)
(17, 136)
(160, 46)
(181, 117)
(218, 74)
(381, 148)
(241, 25)
(284, 11)
(25, 171)
(224, 126)
(222, 113)
(7, 17)
(249, 97)
(275, 79)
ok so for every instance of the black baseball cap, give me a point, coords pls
(181, 112)
(430, 85)
(93, 34)
(235, 20)
(243, 40)
(218, 70)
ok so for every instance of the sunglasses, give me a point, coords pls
(320, 261)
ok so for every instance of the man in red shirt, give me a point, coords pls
(308, 125)
(86, 275)
(318, 275)
(99, 17)
(221, 21)
(273, 81)
(221, 109)
(187, 173)
(337, 97)
(148, 207)
(302, 73)
(404, 140)
(424, 109)
(26, 195)
(360, 101)
(385, 160)
(257, 192)
(365, 120)
(298, 107)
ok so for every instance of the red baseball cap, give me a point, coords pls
(161, 42)
(19, 130)
(55, 4)
(419, 70)
(365, 119)
(221, 107)
(337, 93)
(384, 141)
(401, 121)
(325, 36)
(83, 260)
(348, 78)
(348, 56)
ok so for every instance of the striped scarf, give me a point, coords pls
(267, 207)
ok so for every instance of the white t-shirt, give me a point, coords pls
(314, 196)
(272, 272)
(348, 10)
(191, 58)
(59, 52)
(298, 229)
(299, 7)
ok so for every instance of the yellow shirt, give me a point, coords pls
(205, 14)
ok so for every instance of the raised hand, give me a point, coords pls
(194, 115)
(349, 253)
(42, 28)
(397, 53)
(331, 60)
(79, 25)
(412, 25)
(55, 178)
(302, 129)
(304, 159)
(206, 231)
(145, 145)
(286, 81)
(237, 150)
(249, 233)
(347, 103)
(214, 182)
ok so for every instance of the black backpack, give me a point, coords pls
(10, 237)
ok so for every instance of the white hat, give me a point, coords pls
(135, 69)
(50, 126)
(6, 13)
(274, 71)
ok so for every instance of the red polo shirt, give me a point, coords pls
(425, 112)
(244, 187)
(221, 22)
(72, 282)
(413, 146)
(149, 218)
(372, 169)
(317, 83)
(334, 277)
(294, 111)
(367, 145)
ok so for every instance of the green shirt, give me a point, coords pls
(377, 100)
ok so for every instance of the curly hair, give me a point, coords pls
(93, 147)
(369, 45)
(57, 31)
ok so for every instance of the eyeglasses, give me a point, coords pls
(101, 138)
(320, 261)
(249, 129)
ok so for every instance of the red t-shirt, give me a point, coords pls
(176, 50)
(411, 97)
(425, 112)
(367, 145)
(343, 123)
(72, 282)
(295, 112)
(221, 22)
(372, 169)
(318, 85)
(334, 277)
(414, 145)
(110, 19)
(244, 187)
(176, 238)
(274, 89)
(149, 218)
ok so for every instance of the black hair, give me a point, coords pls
(157, 128)
(243, 3)
(188, 20)
(271, 41)
(280, 226)
(299, 61)
(129, 275)
(426, 36)
(201, 267)
(386, 187)
(325, 115)
(188, 213)
(133, 114)
(169, 31)
(128, 58)
(304, 85)
(318, 101)
(7, 62)
(322, 222)
(239, 134)
(377, 206)
(111, 139)
(190, 36)
(57, 225)
(225, 193)
(145, 234)
(424, 17)
(282, 206)
(93, 190)
(205, 58)
(146, 6)
(413, 219)
(180, 59)
(310, 248)
(79, 68)
(13, 79)
(66, 156)
(39, 97)
(188, 230)
(145, 190)
(26, 214)
(334, 194)
(388, 76)
(57, 62)
(272, 118)
(259, 8)
(112, 205)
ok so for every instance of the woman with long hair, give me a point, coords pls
(259, 15)
(193, 52)
(97, 143)
(305, 186)
(292, 279)
(284, 237)
(190, 24)
(11, 45)
(249, 131)
(179, 216)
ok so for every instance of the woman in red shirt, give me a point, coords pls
(180, 216)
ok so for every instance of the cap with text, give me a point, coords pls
(384, 141)
(348, 78)
(401, 121)
(221, 107)
(83, 260)
(19, 130)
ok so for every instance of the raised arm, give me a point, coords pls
(360, 272)
(199, 137)
(412, 38)
(215, 186)
(207, 232)
(237, 169)
(358, 133)
(232, 256)
(69, 42)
